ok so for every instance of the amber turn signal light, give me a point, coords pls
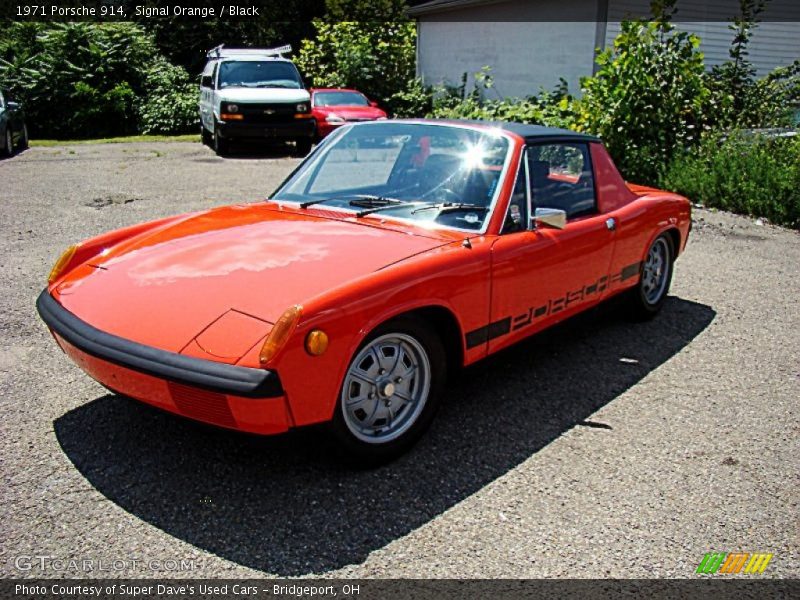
(231, 117)
(62, 263)
(316, 342)
(279, 335)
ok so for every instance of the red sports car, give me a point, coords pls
(397, 252)
(333, 107)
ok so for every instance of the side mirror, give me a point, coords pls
(550, 217)
(373, 104)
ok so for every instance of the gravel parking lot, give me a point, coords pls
(601, 448)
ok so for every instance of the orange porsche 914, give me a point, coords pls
(398, 251)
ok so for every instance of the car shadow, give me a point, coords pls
(286, 505)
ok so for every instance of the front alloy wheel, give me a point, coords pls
(390, 391)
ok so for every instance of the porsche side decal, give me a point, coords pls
(504, 326)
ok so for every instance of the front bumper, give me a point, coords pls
(225, 395)
(296, 128)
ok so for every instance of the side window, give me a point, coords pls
(517, 214)
(561, 177)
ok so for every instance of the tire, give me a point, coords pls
(302, 146)
(390, 392)
(206, 137)
(8, 144)
(23, 142)
(221, 146)
(647, 298)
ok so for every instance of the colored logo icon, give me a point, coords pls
(734, 562)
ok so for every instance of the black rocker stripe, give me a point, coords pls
(489, 332)
(482, 335)
(630, 271)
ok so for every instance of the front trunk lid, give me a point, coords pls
(165, 288)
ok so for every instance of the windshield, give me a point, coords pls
(439, 174)
(340, 99)
(255, 74)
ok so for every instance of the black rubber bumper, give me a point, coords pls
(195, 372)
(283, 130)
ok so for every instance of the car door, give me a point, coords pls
(541, 275)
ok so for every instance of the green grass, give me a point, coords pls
(118, 140)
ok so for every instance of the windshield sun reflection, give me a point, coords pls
(401, 167)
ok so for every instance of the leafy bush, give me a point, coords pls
(647, 98)
(77, 79)
(413, 100)
(551, 108)
(94, 79)
(169, 104)
(377, 58)
(743, 173)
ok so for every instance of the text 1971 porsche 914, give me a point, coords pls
(396, 252)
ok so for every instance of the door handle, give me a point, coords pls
(611, 224)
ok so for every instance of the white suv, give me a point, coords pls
(255, 94)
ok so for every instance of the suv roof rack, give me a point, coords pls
(222, 52)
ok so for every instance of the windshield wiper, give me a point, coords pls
(451, 207)
(373, 204)
(364, 200)
(370, 202)
(399, 204)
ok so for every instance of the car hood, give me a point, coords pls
(258, 95)
(240, 265)
(351, 112)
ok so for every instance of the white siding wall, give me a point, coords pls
(529, 48)
(775, 42)
(524, 55)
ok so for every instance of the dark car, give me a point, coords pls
(13, 131)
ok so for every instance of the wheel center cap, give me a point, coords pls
(388, 389)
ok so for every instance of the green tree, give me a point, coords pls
(77, 78)
(93, 79)
(365, 10)
(648, 96)
(377, 58)
(738, 97)
(185, 41)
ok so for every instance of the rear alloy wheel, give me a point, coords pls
(390, 391)
(649, 295)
